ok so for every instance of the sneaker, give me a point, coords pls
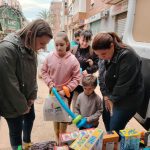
(26, 146)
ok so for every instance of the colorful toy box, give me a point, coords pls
(130, 139)
(89, 142)
(110, 141)
(68, 138)
(76, 145)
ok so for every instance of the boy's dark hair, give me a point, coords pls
(87, 34)
(89, 80)
(77, 33)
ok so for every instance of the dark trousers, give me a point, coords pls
(118, 120)
(18, 125)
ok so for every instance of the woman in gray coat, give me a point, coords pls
(18, 85)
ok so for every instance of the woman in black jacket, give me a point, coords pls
(120, 80)
(18, 86)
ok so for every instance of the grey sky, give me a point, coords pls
(31, 8)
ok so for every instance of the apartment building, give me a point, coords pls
(97, 15)
(55, 16)
(11, 17)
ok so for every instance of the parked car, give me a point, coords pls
(137, 35)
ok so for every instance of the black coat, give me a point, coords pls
(83, 55)
(121, 79)
(18, 67)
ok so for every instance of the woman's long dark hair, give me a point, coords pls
(37, 28)
(104, 40)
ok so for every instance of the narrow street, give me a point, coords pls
(43, 131)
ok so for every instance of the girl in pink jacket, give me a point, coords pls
(61, 68)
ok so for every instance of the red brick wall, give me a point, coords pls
(99, 5)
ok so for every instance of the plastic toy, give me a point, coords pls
(78, 120)
(66, 90)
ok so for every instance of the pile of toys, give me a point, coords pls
(95, 139)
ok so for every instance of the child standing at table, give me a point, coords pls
(61, 68)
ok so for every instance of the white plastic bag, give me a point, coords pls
(52, 110)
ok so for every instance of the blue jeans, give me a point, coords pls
(17, 125)
(118, 120)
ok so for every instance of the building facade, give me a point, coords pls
(55, 16)
(97, 15)
(11, 18)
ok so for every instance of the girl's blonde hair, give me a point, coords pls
(64, 36)
(37, 28)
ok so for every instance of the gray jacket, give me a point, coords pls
(90, 107)
(17, 76)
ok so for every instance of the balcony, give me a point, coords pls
(79, 17)
(112, 2)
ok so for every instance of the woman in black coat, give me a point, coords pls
(120, 80)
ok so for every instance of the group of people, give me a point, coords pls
(120, 78)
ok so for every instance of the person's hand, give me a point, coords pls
(88, 120)
(51, 85)
(27, 111)
(90, 61)
(62, 93)
(84, 73)
(108, 104)
(31, 102)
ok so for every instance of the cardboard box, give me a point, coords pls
(130, 139)
(110, 141)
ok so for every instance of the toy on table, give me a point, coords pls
(77, 119)
(130, 139)
(89, 142)
(76, 145)
(69, 138)
(110, 141)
